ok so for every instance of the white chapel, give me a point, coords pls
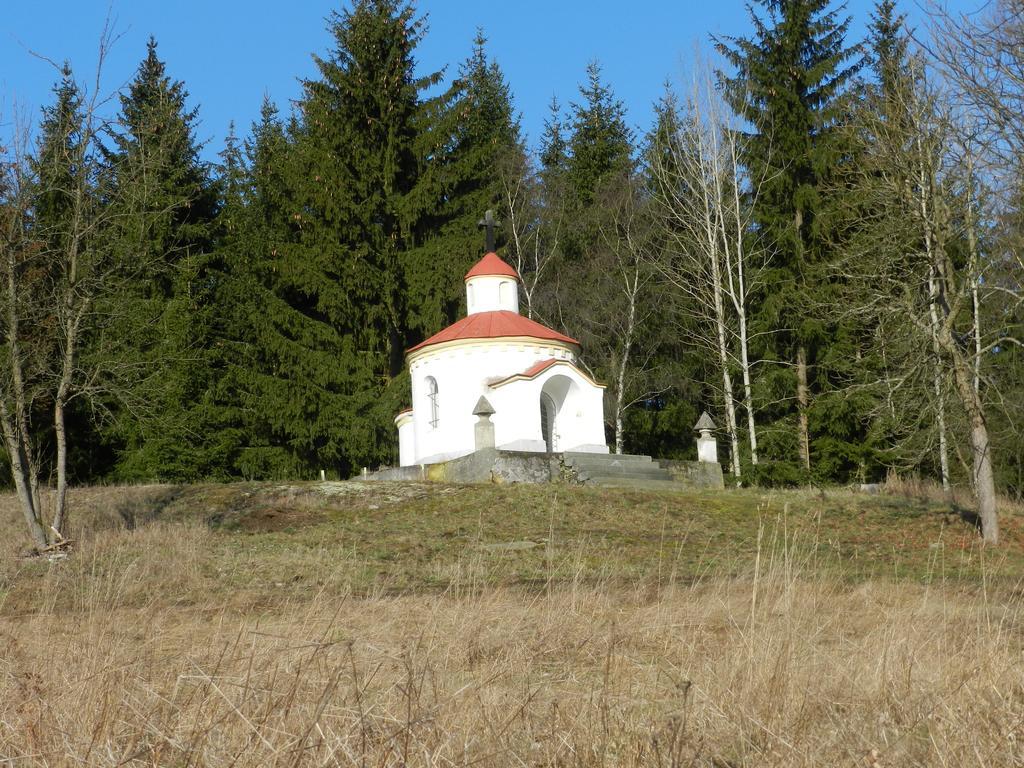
(539, 399)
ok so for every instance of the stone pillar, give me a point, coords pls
(483, 430)
(707, 445)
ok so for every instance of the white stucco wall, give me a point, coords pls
(490, 293)
(406, 438)
(579, 420)
(464, 372)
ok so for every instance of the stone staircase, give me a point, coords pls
(625, 471)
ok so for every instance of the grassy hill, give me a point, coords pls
(404, 624)
(261, 543)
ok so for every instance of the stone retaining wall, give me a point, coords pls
(490, 465)
(695, 474)
(484, 466)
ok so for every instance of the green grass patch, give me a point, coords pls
(268, 543)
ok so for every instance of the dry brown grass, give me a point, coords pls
(786, 665)
(911, 486)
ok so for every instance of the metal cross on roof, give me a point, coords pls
(489, 223)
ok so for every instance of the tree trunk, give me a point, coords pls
(718, 291)
(620, 384)
(940, 417)
(22, 482)
(926, 187)
(984, 478)
(59, 422)
(748, 395)
(973, 270)
(803, 403)
(730, 403)
(977, 336)
(60, 511)
(940, 403)
(16, 426)
(889, 401)
(739, 296)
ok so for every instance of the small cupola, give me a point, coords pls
(492, 286)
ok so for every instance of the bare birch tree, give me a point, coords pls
(60, 290)
(711, 256)
(628, 237)
(981, 56)
(928, 202)
(908, 283)
(614, 301)
(21, 388)
(533, 221)
(50, 279)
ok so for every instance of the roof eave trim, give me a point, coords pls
(467, 278)
(412, 354)
(523, 377)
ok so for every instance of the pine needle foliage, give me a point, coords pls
(788, 82)
(162, 234)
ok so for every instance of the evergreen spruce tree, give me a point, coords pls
(877, 98)
(157, 154)
(601, 199)
(67, 189)
(582, 157)
(478, 124)
(600, 144)
(544, 189)
(54, 163)
(587, 181)
(600, 152)
(872, 223)
(554, 148)
(56, 168)
(57, 176)
(788, 82)
(888, 45)
(166, 207)
(658, 144)
(290, 401)
(359, 204)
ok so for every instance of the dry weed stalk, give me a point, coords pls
(786, 666)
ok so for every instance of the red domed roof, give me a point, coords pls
(494, 325)
(491, 265)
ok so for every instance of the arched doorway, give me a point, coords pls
(548, 411)
(556, 392)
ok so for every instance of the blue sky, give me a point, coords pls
(231, 52)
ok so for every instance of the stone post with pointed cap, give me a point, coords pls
(483, 430)
(707, 445)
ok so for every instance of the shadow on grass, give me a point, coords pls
(968, 515)
(140, 509)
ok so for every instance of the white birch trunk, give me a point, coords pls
(627, 344)
(739, 295)
(925, 185)
(723, 359)
(974, 271)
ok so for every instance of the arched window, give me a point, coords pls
(504, 292)
(469, 296)
(435, 418)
